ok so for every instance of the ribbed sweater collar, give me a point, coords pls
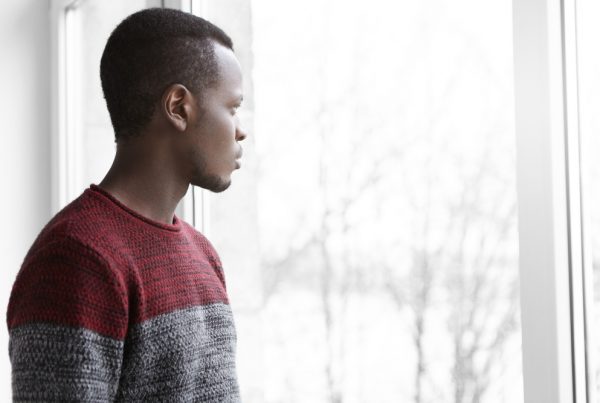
(112, 201)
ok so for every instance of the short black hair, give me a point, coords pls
(149, 51)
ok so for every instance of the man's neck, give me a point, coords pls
(147, 187)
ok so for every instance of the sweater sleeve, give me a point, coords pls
(67, 320)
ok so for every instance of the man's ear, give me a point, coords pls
(177, 106)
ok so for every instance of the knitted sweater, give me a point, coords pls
(112, 306)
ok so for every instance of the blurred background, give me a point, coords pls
(370, 240)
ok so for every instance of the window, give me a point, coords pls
(372, 244)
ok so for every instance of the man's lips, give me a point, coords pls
(237, 159)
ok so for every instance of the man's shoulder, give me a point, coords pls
(81, 223)
(202, 242)
(66, 280)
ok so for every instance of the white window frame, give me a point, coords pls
(553, 259)
(63, 102)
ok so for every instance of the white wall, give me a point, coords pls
(24, 149)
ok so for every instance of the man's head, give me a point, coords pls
(149, 51)
(172, 86)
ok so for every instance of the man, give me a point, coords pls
(118, 299)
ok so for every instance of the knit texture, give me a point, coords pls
(112, 306)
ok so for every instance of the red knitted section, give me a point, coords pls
(65, 283)
(100, 265)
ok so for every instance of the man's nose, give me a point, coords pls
(240, 134)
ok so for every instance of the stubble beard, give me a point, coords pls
(214, 183)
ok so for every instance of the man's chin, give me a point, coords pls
(221, 188)
(213, 183)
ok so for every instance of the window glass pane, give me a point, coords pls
(588, 13)
(95, 146)
(370, 239)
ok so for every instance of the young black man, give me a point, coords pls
(118, 299)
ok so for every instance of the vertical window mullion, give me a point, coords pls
(65, 104)
(581, 295)
(550, 322)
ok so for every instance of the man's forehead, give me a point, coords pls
(230, 73)
(225, 56)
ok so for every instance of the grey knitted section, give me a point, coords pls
(57, 363)
(183, 356)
